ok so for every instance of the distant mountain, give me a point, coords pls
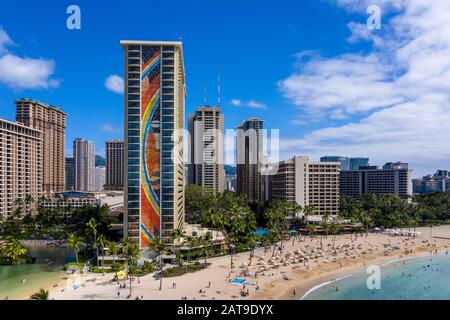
(100, 161)
(230, 170)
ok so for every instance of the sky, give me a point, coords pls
(311, 69)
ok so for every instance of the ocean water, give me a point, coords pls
(45, 272)
(425, 278)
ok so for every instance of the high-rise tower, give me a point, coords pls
(154, 119)
(249, 143)
(84, 173)
(206, 168)
(52, 122)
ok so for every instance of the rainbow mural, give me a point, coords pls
(150, 143)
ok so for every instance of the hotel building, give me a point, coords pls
(154, 116)
(114, 165)
(249, 154)
(308, 183)
(70, 174)
(20, 165)
(393, 178)
(100, 178)
(206, 131)
(84, 173)
(52, 122)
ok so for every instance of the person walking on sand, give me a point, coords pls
(294, 293)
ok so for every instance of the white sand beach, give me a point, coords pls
(289, 274)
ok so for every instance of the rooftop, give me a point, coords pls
(40, 103)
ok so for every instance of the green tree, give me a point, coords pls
(14, 250)
(74, 242)
(40, 295)
(132, 253)
(159, 247)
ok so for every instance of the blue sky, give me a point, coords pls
(309, 68)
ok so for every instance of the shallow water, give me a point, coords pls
(425, 278)
(45, 272)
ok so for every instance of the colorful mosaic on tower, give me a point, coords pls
(150, 142)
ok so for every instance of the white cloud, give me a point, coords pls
(249, 104)
(359, 31)
(111, 129)
(401, 90)
(115, 84)
(26, 73)
(5, 40)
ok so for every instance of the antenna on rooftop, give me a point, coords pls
(204, 95)
(218, 91)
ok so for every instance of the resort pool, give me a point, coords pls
(261, 232)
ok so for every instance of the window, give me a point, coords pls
(133, 147)
(133, 118)
(133, 189)
(133, 126)
(133, 160)
(134, 61)
(133, 205)
(133, 183)
(166, 125)
(133, 168)
(134, 97)
(133, 132)
(133, 140)
(133, 111)
(133, 176)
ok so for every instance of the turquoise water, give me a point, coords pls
(426, 278)
(44, 273)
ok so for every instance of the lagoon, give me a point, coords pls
(20, 281)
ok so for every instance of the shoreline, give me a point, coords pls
(316, 281)
(357, 269)
(349, 256)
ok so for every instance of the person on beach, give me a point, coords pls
(293, 293)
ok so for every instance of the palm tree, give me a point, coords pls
(312, 229)
(92, 226)
(40, 295)
(74, 242)
(230, 239)
(132, 253)
(307, 212)
(113, 249)
(160, 248)
(101, 242)
(14, 250)
(177, 235)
